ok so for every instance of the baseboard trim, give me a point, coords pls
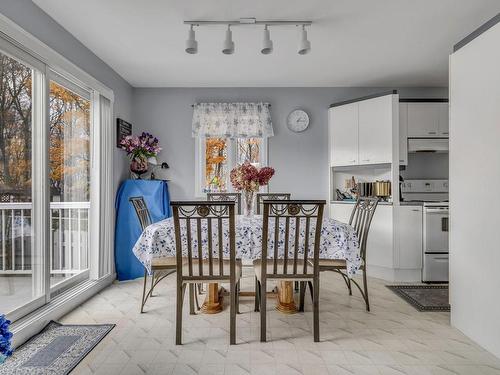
(33, 323)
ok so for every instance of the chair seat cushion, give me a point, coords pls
(164, 262)
(215, 264)
(333, 263)
(281, 262)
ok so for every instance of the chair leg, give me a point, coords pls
(152, 283)
(257, 295)
(263, 308)
(310, 285)
(238, 297)
(365, 287)
(232, 314)
(316, 310)
(196, 298)
(302, 291)
(349, 285)
(191, 299)
(144, 298)
(181, 289)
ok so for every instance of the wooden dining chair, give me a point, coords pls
(270, 196)
(205, 239)
(291, 233)
(160, 267)
(360, 220)
(226, 197)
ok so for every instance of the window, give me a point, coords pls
(217, 156)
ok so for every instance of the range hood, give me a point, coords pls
(428, 145)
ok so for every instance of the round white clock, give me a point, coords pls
(297, 121)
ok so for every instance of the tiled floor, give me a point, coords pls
(393, 338)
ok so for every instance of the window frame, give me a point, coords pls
(232, 158)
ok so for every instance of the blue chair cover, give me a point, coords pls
(128, 228)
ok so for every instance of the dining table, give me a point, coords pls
(337, 241)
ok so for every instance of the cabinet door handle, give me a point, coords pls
(446, 133)
(431, 132)
(414, 210)
(366, 159)
(401, 161)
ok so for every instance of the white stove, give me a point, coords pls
(435, 250)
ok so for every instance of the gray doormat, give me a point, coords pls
(56, 350)
(424, 297)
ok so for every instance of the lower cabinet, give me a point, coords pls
(409, 221)
(394, 247)
(379, 248)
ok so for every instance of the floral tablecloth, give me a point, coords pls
(338, 240)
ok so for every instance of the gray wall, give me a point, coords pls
(300, 159)
(31, 18)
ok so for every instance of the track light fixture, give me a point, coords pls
(304, 44)
(228, 46)
(191, 43)
(267, 43)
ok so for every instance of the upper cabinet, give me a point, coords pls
(362, 132)
(375, 130)
(343, 123)
(427, 120)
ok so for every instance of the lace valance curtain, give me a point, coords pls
(232, 120)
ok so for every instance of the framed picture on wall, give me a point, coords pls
(123, 128)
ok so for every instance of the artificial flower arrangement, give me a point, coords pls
(5, 339)
(140, 149)
(248, 179)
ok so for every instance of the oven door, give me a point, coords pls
(436, 226)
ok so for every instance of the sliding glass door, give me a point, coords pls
(20, 263)
(69, 172)
(45, 183)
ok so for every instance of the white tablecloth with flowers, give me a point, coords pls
(338, 240)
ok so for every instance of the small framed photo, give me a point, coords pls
(123, 128)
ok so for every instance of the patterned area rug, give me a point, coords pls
(424, 297)
(56, 350)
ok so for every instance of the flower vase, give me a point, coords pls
(248, 203)
(139, 165)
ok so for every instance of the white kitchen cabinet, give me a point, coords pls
(379, 247)
(444, 120)
(409, 221)
(375, 130)
(423, 120)
(343, 123)
(403, 133)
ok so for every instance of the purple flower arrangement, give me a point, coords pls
(5, 339)
(141, 147)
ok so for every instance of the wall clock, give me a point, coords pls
(297, 121)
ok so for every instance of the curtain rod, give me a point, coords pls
(192, 105)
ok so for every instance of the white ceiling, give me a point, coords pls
(354, 42)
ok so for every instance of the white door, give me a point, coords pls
(343, 123)
(375, 130)
(423, 120)
(410, 237)
(403, 133)
(444, 122)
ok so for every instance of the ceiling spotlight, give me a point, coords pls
(304, 44)
(191, 43)
(267, 43)
(228, 47)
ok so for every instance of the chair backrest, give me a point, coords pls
(141, 209)
(226, 197)
(205, 231)
(270, 197)
(361, 219)
(288, 229)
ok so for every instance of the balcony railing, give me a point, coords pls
(69, 237)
